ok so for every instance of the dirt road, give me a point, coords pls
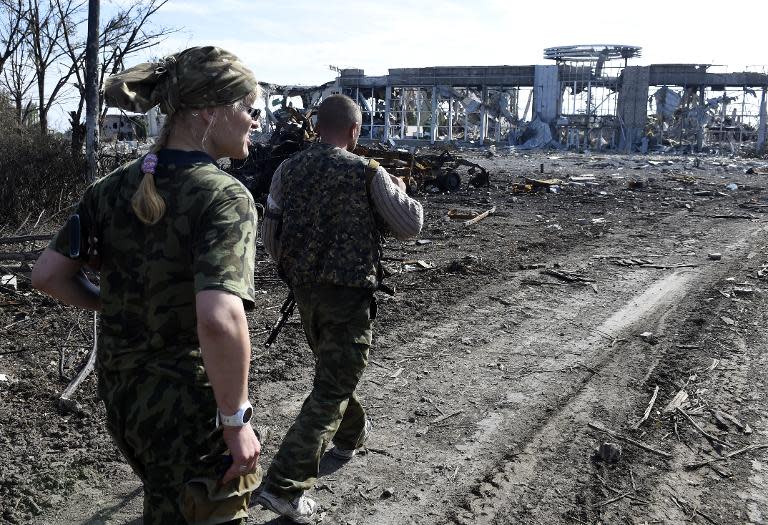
(489, 365)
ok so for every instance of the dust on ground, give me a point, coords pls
(507, 338)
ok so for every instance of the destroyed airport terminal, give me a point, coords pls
(590, 99)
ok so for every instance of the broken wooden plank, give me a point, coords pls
(669, 267)
(612, 500)
(25, 238)
(65, 401)
(703, 432)
(566, 276)
(731, 217)
(650, 407)
(631, 441)
(743, 427)
(694, 466)
(480, 217)
(677, 401)
(442, 418)
(20, 256)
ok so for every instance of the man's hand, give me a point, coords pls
(245, 449)
(398, 182)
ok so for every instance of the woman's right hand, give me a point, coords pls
(245, 449)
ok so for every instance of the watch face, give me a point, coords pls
(247, 414)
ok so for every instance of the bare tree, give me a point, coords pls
(48, 21)
(18, 79)
(126, 33)
(13, 28)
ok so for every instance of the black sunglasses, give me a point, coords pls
(254, 113)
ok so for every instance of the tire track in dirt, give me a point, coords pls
(519, 488)
(519, 388)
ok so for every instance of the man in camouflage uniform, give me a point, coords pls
(323, 227)
(163, 371)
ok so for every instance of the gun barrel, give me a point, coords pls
(285, 312)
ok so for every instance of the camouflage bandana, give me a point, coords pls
(197, 77)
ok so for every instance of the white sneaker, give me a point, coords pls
(301, 509)
(348, 453)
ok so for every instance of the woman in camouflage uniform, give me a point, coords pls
(172, 237)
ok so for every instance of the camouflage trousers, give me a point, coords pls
(165, 427)
(337, 322)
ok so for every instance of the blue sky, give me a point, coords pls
(294, 41)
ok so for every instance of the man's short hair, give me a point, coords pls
(337, 113)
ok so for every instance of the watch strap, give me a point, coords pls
(239, 419)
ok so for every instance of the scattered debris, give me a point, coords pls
(608, 452)
(416, 265)
(541, 185)
(571, 277)
(644, 263)
(442, 171)
(612, 500)
(635, 442)
(694, 466)
(712, 439)
(678, 401)
(691, 510)
(66, 403)
(649, 408)
(649, 338)
(461, 215)
(442, 418)
(632, 262)
(9, 281)
(480, 217)
(724, 418)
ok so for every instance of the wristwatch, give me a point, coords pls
(238, 419)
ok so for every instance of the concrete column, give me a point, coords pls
(374, 106)
(762, 126)
(466, 123)
(699, 128)
(632, 105)
(418, 111)
(588, 125)
(450, 117)
(546, 93)
(483, 114)
(402, 113)
(435, 120)
(387, 106)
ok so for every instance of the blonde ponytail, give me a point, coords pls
(147, 203)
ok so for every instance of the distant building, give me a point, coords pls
(124, 125)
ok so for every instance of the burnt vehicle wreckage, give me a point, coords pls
(294, 131)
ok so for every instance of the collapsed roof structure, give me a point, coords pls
(590, 98)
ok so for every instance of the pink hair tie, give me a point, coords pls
(149, 164)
